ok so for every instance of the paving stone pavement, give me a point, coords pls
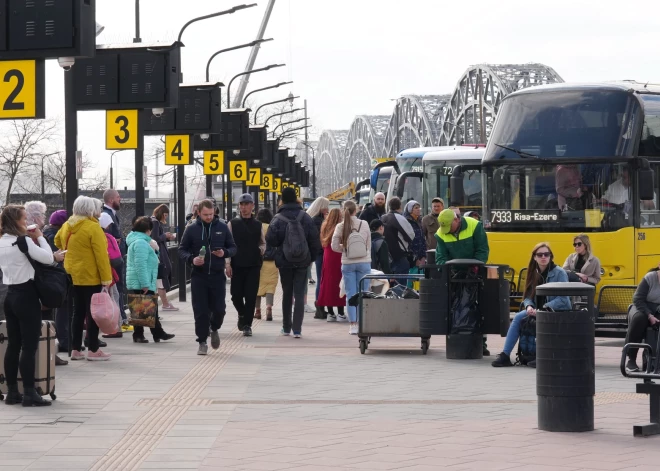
(277, 403)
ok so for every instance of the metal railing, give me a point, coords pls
(173, 252)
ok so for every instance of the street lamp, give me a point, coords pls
(264, 88)
(282, 113)
(213, 15)
(290, 99)
(284, 133)
(253, 43)
(262, 69)
(288, 122)
(111, 167)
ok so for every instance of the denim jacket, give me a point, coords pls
(557, 303)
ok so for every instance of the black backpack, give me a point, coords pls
(527, 341)
(295, 248)
(51, 281)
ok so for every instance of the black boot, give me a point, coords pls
(320, 313)
(13, 396)
(486, 351)
(32, 399)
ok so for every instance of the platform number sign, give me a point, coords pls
(277, 185)
(266, 181)
(238, 171)
(22, 89)
(262, 196)
(254, 177)
(285, 184)
(297, 188)
(214, 162)
(177, 150)
(121, 129)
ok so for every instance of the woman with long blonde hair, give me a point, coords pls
(352, 238)
(541, 270)
(331, 271)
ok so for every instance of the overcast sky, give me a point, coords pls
(350, 57)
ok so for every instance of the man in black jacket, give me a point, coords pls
(244, 268)
(398, 234)
(374, 211)
(208, 281)
(293, 275)
(380, 255)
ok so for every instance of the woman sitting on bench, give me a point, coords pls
(582, 265)
(643, 313)
(541, 270)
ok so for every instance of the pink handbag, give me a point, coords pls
(105, 312)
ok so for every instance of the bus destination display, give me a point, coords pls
(524, 216)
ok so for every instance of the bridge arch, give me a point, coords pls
(474, 104)
(330, 162)
(364, 143)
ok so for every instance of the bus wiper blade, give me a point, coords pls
(521, 153)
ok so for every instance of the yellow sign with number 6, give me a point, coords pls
(238, 171)
(177, 150)
(214, 162)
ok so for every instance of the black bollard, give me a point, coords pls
(565, 369)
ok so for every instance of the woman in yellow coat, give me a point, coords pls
(269, 274)
(87, 262)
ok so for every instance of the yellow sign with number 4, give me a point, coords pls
(238, 171)
(177, 150)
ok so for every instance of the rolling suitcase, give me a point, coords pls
(44, 375)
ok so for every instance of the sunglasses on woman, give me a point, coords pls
(577, 244)
(542, 254)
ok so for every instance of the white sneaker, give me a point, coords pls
(342, 318)
(353, 330)
(309, 309)
(331, 318)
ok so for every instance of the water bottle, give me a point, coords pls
(202, 252)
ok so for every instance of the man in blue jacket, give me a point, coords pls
(208, 281)
(293, 272)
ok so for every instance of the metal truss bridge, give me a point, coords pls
(465, 116)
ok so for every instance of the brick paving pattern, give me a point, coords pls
(278, 403)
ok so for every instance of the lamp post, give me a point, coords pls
(241, 46)
(262, 69)
(287, 122)
(284, 134)
(112, 167)
(282, 113)
(290, 99)
(264, 88)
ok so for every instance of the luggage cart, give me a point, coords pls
(388, 317)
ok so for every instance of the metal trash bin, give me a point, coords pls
(565, 369)
(389, 317)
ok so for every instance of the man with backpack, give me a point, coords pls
(380, 253)
(294, 236)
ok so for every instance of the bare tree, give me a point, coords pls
(23, 143)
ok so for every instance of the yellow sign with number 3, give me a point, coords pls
(121, 129)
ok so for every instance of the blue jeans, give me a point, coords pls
(514, 332)
(400, 267)
(353, 273)
(319, 267)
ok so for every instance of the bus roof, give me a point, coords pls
(455, 153)
(630, 86)
(415, 152)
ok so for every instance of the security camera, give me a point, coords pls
(205, 137)
(158, 112)
(66, 62)
(236, 151)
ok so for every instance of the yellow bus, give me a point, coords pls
(566, 159)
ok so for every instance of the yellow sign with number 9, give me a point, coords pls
(277, 185)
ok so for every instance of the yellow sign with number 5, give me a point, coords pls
(238, 171)
(214, 162)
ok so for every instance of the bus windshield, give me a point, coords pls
(649, 145)
(586, 123)
(559, 198)
(409, 164)
(437, 184)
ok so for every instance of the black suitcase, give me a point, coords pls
(44, 374)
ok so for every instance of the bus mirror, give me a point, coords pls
(646, 178)
(457, 194)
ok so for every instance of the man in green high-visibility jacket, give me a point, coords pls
(460, 237)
